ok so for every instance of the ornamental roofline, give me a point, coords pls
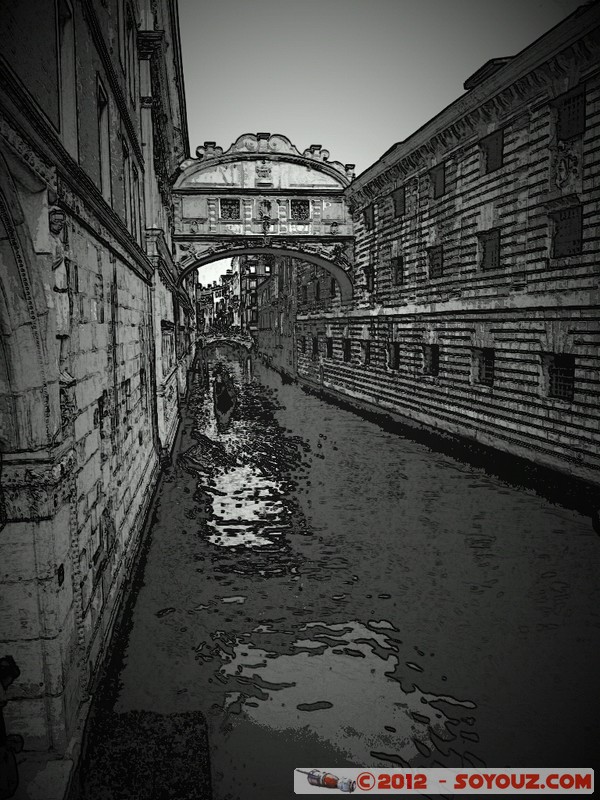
(264, 146)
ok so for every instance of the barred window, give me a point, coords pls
(431, 359)
(568, 232)
(489, 243)
(365, 351)
(230, 209)
(492, 150)
(397, 270)
(438, 180)
(399, 199)
(486, 358)
(436, 261)
(347, 348)
(369, 217)
(561, 375)
(394, 355)
(300, 210)
(329, 346)
(571, 114)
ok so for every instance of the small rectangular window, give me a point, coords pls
(369, 217)
(299, 210)
(438, 180)
(399, 200)
(317, 290)
(561, 375)
(329, 346)
(492, 151)
(370, 278)
(315, 346)
(332, 285)
(397, 270)
(571, 114)
(486, 359)
(305, 294)
(435, 256)
(568, 232)
(394, 355)
(347, 348)
(489, 243)
(431, 359)
(303, 344)
(365, 351)
(230, 208)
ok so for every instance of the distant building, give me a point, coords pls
(476, 273)
(96, 330)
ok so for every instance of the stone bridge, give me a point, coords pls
(263, 196)
(236, 339)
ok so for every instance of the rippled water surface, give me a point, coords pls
(326, 593)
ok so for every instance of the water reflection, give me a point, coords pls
(342, 680)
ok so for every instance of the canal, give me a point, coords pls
(324, 593)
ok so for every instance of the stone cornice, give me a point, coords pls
(573, 44)
(79, 195)
(66, 179)
(113, 79)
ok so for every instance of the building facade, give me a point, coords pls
(476, 272)
(96, 330)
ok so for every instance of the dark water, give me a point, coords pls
(327, 593)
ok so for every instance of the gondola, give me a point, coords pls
(224, 396)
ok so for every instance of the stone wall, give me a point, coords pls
(86, 276)
(476, 279)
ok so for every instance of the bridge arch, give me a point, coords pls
(340, 275)
(263, 196)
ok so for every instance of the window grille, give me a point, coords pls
(300, 210)
(492, 149)
(571, 115)
(489, 242)
(561, 376)
(486, 358)
(438, 180)
(365, 351)
(230, 209)
(399, 200)
(568, 232)
(397, 270)
(436, 261)
(394, 355)
(431, 359)
(347, 348)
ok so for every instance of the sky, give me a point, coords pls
(355, 76)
